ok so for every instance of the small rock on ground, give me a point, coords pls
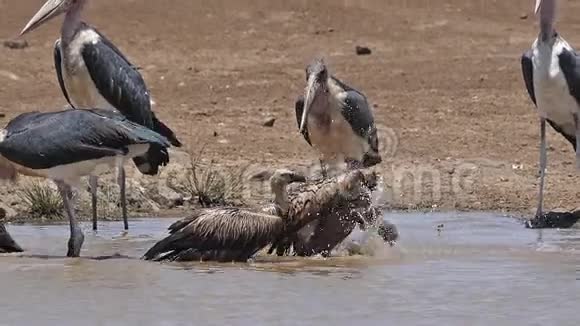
(269, 122)
(362, 50)
(16, 44)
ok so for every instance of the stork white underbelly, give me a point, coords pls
(82, 90)
(338, 141)
(71, 173)
(553, 97)
(79, 85)
(555, 102)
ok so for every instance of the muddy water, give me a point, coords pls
(479, 269)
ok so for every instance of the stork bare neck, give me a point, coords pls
(72, 23)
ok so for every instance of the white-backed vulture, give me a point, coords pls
(323, 234)
(234, 234)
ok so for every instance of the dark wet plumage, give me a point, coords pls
(234, 234)
(220, 234)
(338, 220)
(554, 220)
(44, 140)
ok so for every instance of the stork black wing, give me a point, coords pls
(58, 68)
(528, 73)
(45, 140)
(118, 81)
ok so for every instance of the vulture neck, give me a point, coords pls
(281, 197)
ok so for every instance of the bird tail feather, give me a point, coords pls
(165, 131)
(161, 247)
(156, 156)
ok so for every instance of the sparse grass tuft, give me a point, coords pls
(42, 201)
(108, 201)
(213, 187)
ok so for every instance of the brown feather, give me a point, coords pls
(333, 206)
(222, 234)
(234, 234)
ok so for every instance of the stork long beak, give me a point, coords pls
(537, 7)
(49, 10)
(311, 89)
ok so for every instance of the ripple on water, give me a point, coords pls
(477, 269)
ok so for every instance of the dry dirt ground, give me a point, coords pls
(457, 128)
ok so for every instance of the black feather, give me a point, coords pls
(58, 68)
(45, 140)
(121, 84)
(165, 131)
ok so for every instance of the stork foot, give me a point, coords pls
(552, 220)
(75, 243)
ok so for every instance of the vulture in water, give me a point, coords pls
(322, 235)
(225, 233)
(235, 234)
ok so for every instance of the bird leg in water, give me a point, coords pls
(93, 184)
(77, 237)
(122, 185)
(543, 161)
(577, 127)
